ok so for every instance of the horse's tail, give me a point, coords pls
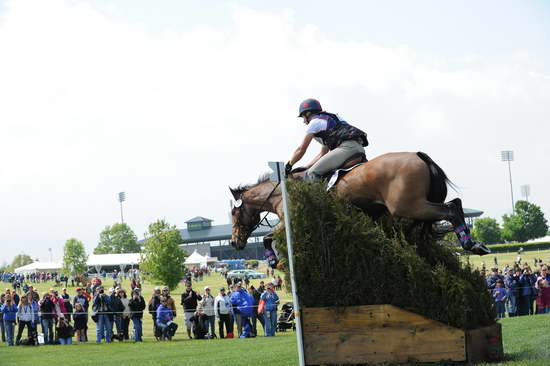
(438, 180)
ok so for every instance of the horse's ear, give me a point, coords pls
(234, 193)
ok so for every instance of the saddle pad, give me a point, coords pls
(336, 175)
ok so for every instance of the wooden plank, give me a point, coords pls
(377, 333)
(485, 344)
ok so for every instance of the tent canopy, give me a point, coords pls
(196, 259)
(113, 259)
(39, 267)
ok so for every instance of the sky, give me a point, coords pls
(174, 101)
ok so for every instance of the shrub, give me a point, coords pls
(342, 258)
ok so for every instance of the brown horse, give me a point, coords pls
(404, 184)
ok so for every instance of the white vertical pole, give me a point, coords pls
(288, 229)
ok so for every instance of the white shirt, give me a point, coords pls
(223, 304)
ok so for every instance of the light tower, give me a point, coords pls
(121, 198)
(508, 156)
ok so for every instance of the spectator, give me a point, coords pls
(65, 295)
(80, 323)
(152, 306)
(9, 313)
(242, 305)
(544, 295)
(27, 316)
(125, 316)
(256, 295)
(511, 282)
(165, 315)
(34, 294)
(65, 331)
(137, 305)
(271, 300)
(199, 322)
(492, 280)
(189, 300)
(2, 329)
(208, 309)
(47, 311)
(169, 300)
(222, 309)
(102, 308)
(499, 295)
(118, 309)
(525, 293)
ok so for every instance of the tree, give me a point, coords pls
(117, 239)
(527, 223)
(74, 257)
(161, 256)
(487, 230)
(21, 260)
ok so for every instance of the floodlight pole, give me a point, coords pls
(508, 156)
(279, 176)
(121, 198)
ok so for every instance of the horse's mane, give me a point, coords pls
(245, 187)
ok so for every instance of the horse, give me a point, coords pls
(403, 184)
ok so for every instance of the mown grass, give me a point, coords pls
(504, 259)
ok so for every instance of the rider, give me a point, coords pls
(339, 139)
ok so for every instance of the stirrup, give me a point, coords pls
(477, 248)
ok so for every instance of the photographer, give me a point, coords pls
(102, 307)
(47, 314)
(511, 282)
(137, 305)
(189, 300)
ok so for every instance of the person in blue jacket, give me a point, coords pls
(525, 293)
(9, 313)
(242, 304)
(271, 300)
(165, 316)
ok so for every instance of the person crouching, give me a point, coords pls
(65, 331)
(199, 322)
(165, 318)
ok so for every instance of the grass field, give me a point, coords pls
(525, 342)
(509, 258)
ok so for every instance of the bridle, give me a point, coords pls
(249, 229)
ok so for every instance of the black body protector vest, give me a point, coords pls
(339, 131)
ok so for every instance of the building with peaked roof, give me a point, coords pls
(213, 240)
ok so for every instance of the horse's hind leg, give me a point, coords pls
(452, 212)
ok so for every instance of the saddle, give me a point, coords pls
(349, 164)
(353, 160)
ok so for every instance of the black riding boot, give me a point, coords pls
(456, 216)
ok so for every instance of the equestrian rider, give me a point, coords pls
(339, 140)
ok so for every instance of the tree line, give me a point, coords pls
(161, 257)
(526, 223)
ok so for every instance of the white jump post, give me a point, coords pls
(279, 176)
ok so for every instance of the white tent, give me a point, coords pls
(124, 260)
(39, 267)
(196, 259)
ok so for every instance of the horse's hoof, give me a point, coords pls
(480, 249)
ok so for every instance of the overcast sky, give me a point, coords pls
(172, 101)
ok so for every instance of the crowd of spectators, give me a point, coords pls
(62, 317)
(520, 289)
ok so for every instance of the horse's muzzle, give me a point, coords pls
(235, 244)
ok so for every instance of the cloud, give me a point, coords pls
(90, 105)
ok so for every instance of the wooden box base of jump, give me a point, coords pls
(374, 334)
